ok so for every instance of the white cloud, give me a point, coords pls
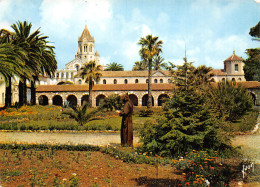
(145, 30)
(5, 8)
(63, 16)
(104, 60)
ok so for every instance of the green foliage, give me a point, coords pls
(114, 67)
(252, 64)
(255, 31)
(187, 124)
(112, 102)
(145, 112)
(81, 114)
(230, 100)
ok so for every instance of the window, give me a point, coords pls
(79, 81)
(223, 79)
(125, 81)
(57, 75)
(77, 67)
(225, 67)
(146, 80)
(161, 80)
(233, 79)
(155, 80)
(62, 75)
(67, 75)
(239, 79)
(90, 48)
(85, 48)
(115, 81)
(136, 81)
(71, 75)
(236, 67)
(104, 81)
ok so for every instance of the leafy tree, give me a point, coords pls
(81, 114)
(255, 31)
(90, 72)
(252, 64)
(229, 100)
(112, 102)
(150, 47)
(114, 67)
(187, 124)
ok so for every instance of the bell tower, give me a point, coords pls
(86, 46)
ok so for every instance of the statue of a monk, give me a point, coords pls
(127, 124)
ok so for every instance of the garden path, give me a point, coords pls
(92, 138)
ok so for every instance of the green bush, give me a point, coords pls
(145, 112)
(112, 102)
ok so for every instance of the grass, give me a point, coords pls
(51, 118)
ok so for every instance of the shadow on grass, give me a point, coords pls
(145, 181)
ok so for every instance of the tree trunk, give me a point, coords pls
(149, 101)
(21, 93)
(24, 92)
(8, 94)
(33, 93)
(90, 92)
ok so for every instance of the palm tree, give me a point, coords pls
(41, 57)
(81, 114)
(11, 63)
(150, 47)
(90, 72)
(114, 67)
(140, 66)
(158, 63)
(202, 75)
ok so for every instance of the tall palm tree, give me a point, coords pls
(140, 66)
(41, 57)
(11, 63)
(90, 72)
(150, 47)
(114, 67)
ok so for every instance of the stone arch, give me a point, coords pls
(155, 81)
(84, 98)
(115, 81)
(61, 83)
(145, 99)
(162, 98)
(233, 79)
(134, 99)
(223, 79)
(239, 79)
(72, 99)
(136, 81)
(43, 100)
(57, 100)
(125, 81)
(99, 98)
(104, 81)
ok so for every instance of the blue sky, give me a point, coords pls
(210, 29)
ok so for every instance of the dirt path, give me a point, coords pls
(250, 146)
(100, 139)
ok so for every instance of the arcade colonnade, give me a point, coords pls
(139, 98)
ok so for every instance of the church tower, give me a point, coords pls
(86, 48)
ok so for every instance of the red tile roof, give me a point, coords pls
(217, 72)
(104, 87)
(234, 57)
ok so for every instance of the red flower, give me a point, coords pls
(56, 175)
